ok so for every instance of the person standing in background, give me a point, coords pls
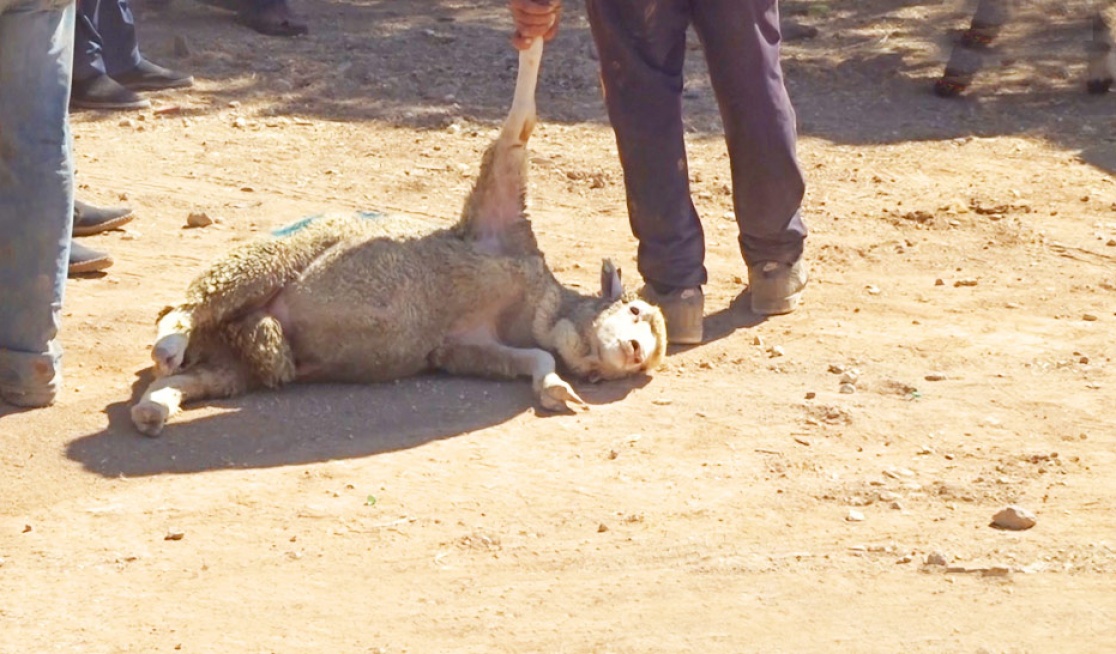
(36, 194)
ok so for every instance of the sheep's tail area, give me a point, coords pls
(495, 213)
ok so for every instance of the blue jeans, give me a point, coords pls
(36, 194)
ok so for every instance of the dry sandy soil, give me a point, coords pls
(705, 509)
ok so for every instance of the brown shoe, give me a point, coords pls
(684, 311)
(776, 287)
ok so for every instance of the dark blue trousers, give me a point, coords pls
(642, 46)
(104, 39)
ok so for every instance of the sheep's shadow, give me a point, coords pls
(310, 423)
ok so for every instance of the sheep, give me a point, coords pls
(967, 57)
(362, 300)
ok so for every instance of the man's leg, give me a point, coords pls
(95, 46)
(88, 44)
(36, 197)
(117, 27)
(741, 40)
(642, 46)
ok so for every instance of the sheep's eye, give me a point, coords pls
(634, 309)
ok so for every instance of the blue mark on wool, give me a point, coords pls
(301, 224)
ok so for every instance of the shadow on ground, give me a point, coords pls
(863, 79)
(312, 423)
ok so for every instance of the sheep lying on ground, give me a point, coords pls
(968, 55)
(353, 299)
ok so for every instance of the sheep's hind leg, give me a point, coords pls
(165, 396)
(262, 347)
(1102, 58)
(498, 360)
(495, 213)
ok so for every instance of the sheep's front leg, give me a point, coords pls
(967, 57)
(498, 360)
(173, 337)
(165, 396)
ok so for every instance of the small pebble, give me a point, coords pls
(939, 282)
(199, 219)
(174, 535)
(1089, 317)
(906, 558)
(872, 290)
(1015, 518)
(854, 516)
(775, 351)
(850, 376)
(811, 395)
(758, 340)
(847, 388)
(888, 496)
(935, 376)
(602, 528)
(965, 282)
(936, 558)
(896, 506)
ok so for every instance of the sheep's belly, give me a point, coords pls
(376, 312)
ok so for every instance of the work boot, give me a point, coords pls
(683, 309)
(776, 287)
(103, 92)
(147, 76)
(90, 220)
(87, 260)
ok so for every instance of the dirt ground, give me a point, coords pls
(963, 270)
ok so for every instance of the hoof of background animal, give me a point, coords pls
(150, 417)
(557, 395)
(946, 88)
(1098, 86)
(168, 353)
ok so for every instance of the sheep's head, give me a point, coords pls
(616, 336)
(628, 337)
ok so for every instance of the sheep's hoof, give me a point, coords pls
(557, 395)
(168, 353)
(149, 417)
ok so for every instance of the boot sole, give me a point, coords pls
(110, 106)
(778, 307)
(104, 226)
(94, 265)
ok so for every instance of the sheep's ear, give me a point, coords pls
(167, 309)
(611, 287)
